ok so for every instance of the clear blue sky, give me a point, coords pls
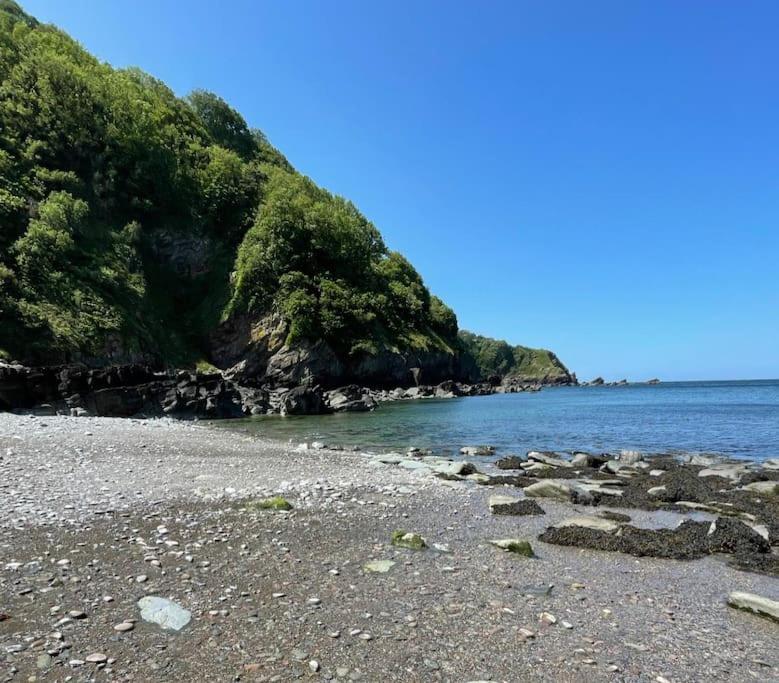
(600, 178)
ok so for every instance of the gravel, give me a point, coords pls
(88, 505)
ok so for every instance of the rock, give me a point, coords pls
(96, 658)
(597, 382)
(548, 459)
(478, 477)
(409, 540)
(514, 545)
(350, 399)
(656, 491)
(590, 522)
(506, 505)
(732, 472)
(303, 400)
(43, 661)
(556, 490)
(765, 488)
(313, 665)
(510, 462)
(454, 468)
(477, 450)
(771, 464)
(755, 603)
(124, 627)
(630, 457)
(164, 612)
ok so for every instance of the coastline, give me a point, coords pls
(121, 499)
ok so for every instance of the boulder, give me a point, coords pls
(349, 399)
(303, 400)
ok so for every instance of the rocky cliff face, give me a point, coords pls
(256, 353)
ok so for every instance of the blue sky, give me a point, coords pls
(600, 178)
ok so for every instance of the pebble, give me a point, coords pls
(97, 658)
(124, 626)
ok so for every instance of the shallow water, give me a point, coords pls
(736, 419)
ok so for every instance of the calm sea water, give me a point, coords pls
(738, 419)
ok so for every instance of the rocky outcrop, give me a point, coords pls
(254, 353)
(122, 391)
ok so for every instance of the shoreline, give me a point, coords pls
(121, 499)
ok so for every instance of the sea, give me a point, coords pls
(737, 419)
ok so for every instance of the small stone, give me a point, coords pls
(547, 618)
(124, 627)
(313, 665)
(141, 578)
(97, 658)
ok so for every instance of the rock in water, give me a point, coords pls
(477, 450)
(755, 603)
(164, 612)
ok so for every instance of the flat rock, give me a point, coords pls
(732, 472)
(590, 522)
(164, 612)
(766, 488)
(556, 490)
(548, 459)
(517, 546)
(755, 603)
(378, 566)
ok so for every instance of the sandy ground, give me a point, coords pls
(95, 513)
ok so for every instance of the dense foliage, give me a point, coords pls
(134, 222)
(97, 163)
(496, 358)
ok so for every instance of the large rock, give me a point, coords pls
(590, 522)
(755, 603)
(350, 399)
(303, 400)
(164, 612)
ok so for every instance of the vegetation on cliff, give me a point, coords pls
(497, 358)
(134, 222)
